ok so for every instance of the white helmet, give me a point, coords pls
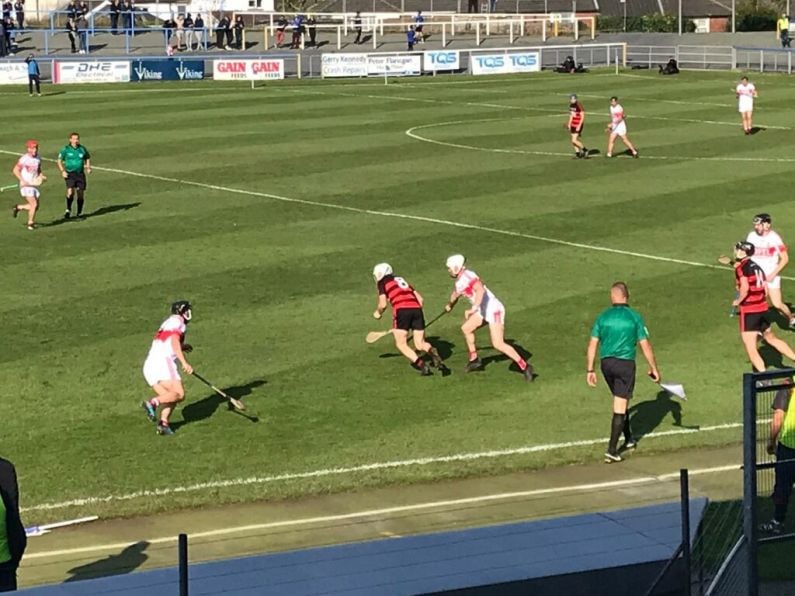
(455, 264)
(381, 270)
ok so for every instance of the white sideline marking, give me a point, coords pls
(421, 218)
(398, 509)
(410, 132)
(459, 457)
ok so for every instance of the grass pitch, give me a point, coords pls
(268, 208)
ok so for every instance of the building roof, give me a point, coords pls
(690, 8)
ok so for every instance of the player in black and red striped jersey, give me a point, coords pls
(752, 302)
(407, 316)
(575, 125)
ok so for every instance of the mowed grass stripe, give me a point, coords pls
(293, 310)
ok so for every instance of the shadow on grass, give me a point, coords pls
(96, 213)
(647, 415)
(204, 408)
(444, 347)
(126, 561)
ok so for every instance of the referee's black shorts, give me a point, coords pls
(409, 319)
(620, 376)
(76, 180)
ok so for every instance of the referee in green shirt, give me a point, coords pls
(617, 332)
(74, 161)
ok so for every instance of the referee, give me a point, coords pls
(74, 161)
(617, 331)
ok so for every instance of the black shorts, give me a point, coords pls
(620, 376)
(573, 130)
(409, 319)
(76, 180)
(754, 321)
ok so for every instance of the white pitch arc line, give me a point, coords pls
(541, 492)
(410, 132)
(425, 461)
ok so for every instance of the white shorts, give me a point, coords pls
(620, 129)
(493, 311)
(29, 192)
(746, 104)
(775, 283)
(160, 369)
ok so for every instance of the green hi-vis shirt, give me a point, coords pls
(619, 329)
(787, 434)
(5, 552)
(74, 158)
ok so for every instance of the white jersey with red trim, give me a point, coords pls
(767, 249)
(491, 309)
(161, 344)
(745, 90)
(29, 167)
(617, 114)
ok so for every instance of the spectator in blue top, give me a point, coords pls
(19, 8)
(34, 75)
(298, 26)
(411, 38)
(419, 20)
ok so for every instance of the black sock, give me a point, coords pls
(615, 431)
(627, 431)
(69, 201)
(80, 202)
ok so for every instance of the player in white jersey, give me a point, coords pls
(746, 92)
(770, 253)
(618, 128)
(160, 368)
(28, 171)
(485, 309)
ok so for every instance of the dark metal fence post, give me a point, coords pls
(183, 564)
(684, 487)
(749, 481)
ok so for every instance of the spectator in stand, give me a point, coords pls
(472, 6)
(169, 25)
(83, 9)
(82, 28)
(281, 25)
(19, 9)
(312, 27)
(187, 27)
(72, 32)
(114, 11)
(127, 9)
(782, 25)
(11, 35)
(239, 27)
(3, 46)
(198, 31)
(71, 10)
(411, 37)
(8, 7)
(220, 32)
(298, 25)
(180, 31)
(419, 22)
(230, 33)
(357, 23)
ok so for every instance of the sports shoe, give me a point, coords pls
(15, 211)
(164, 429)
(772, 527)
(629, 444)
(474, 365)
(425, 371)
(613, 458)
(67, 214)
(792, 323)
(636, 155)
(31, 226)
(528, 373)
(150, 411)
(608, 155)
